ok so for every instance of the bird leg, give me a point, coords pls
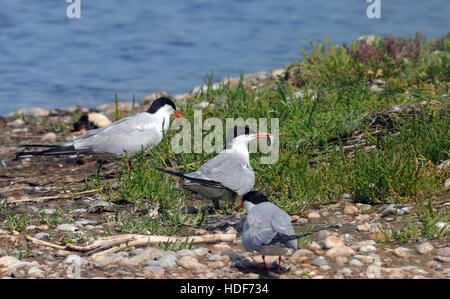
(216, 204)
(264, 260)
(279, 265)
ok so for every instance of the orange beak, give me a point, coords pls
(262, 135)
(178, 115)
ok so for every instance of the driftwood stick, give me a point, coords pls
(69, 195)
(153, 240)
(134, 240)
(104, 242)
(44, 243)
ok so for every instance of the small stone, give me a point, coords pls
(362, 217)
(345, 271)
(391, 210)
(200, 231)
(340, 251)
(218, 257)
(313, 217)
(200, 251)
(221, 247)
(363, 208)
(231, 230)
(401, 252)
(41, 236)
(444, 259)
(36, 272)
(302, 221)
(101, 206)
(41, 227)
(442, 225)
(191, 263)
(48, 211)
(396, 273)
(135, 251)
(73, 259)
(355, 263)
(341, 260)
(154, 270)
(66, 227)
(435, 266)
(322, 234)
(7, 261)
(301, 253)
(425, 248)
(419, 271)
(149, 254)
(377, 85)
(367, 249)
(38, 112)
(369, 38)
(168, 261)
(49, 137)
(216, 265)
(295, 218)
(319, 261)
(278, 72)
(62, 252)
(444, 165)
(104, 260)
(444, 251)
(232, 255)
(363, 227)
(447, 184)
(314, 246)
(363, 258)
(332, 241)
(185, 251)
(350, 210)
(324, 268)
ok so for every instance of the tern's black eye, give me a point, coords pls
(159, 103)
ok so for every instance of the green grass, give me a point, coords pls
(423, 225)
(312, 167)
(20, 221)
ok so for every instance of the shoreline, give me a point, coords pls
(363, 165)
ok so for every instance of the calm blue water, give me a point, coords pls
(136, 47)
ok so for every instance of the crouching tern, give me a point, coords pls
(267, 228)
(226, 175)
(129, 134)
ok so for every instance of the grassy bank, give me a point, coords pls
(368, 120)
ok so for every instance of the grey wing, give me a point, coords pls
(281, 224)
(129, 133)
(229, 169)
(263, 223)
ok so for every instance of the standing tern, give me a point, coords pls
(226, 175)
(267, 228)
(128, 134)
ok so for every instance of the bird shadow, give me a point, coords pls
(246, 266)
